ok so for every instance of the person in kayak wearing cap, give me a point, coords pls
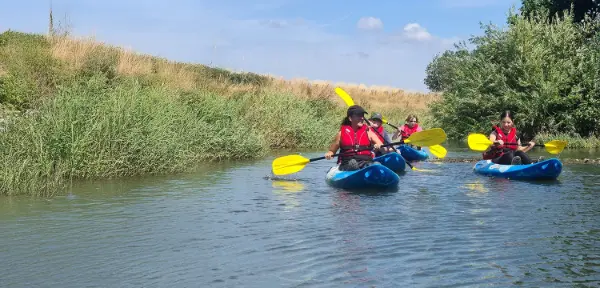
(355, 141)
(377, 125)
(410, 126)
(507, 154)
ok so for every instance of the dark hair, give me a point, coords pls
(508, 114)
(346, 121)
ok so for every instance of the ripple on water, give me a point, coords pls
(448, 228)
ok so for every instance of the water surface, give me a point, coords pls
(228, 226)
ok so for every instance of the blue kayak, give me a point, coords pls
(543, 170)
(412, 154)
(393, 161)
(373, 176)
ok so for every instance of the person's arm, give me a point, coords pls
(525, 148)
(493, 139)
(334, 146)
(395, 135)
(386, 137)
(375, 139)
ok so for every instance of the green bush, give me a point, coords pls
(547, 73)
(28, 70)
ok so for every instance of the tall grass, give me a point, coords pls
(574, 141)
(80, 109)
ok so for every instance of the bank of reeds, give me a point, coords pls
(574, 142)
(79, 109)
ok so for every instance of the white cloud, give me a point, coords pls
(369, 23)
(416, 32)
(204, 32)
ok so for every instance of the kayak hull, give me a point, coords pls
(412, 154)
(393, 161)
(373, 176)
(544, 170)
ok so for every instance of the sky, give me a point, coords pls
(384, 43)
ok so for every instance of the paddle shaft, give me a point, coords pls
(523, 144)
(393, 126)
(337, 154)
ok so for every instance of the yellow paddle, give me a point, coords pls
(293, 163)
(480, 142)
(349, 101)
(437, 150)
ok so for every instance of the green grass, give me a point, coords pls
(64, 120)
(92, 129)
(574, 142)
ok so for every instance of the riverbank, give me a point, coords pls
(80, 109)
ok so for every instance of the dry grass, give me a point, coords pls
(188, 77)
(376, 97)
(74, 51)
(133, 64)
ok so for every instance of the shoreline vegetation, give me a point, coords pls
(74, 108)
(79, 109)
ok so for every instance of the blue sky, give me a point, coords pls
(387, 43)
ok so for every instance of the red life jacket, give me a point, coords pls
(407, 131)
(351, 141)
(497, 151)
(379, 133)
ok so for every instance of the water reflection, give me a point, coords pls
(353, 241)
(475, 189)
(446, 227)
(285, 191)
(287, 186)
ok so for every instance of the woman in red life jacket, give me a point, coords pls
(411, 126)
(507, 154)
(377, 125)
(355, 141)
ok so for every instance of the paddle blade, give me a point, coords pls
(438, 151)
(289, 164)
(555, 146)
(478, 142)
(384, 120)
(347, 99)
(428, 137)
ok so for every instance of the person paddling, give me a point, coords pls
(377, 125)
(355, 141)
(410, 126)
(507, 154)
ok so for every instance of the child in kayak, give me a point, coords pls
(355, 141)
(410, 126)
(505, 151)
(377, 125)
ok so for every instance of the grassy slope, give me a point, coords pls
(76, 108)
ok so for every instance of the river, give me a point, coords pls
(228, 225)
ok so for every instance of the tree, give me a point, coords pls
(548, 73)
(581, 8)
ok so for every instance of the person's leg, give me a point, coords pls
(524, 157)
(349, 165)
(365, 163)
(505, 159)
